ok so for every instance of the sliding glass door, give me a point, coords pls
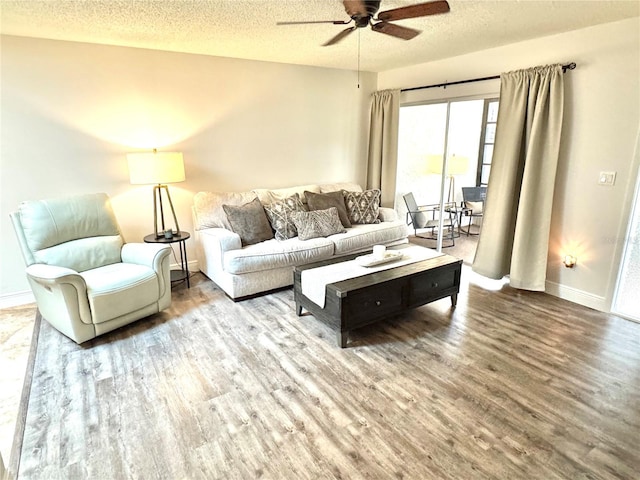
(626, 301)
(439, 152)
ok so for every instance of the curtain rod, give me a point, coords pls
(568, 66)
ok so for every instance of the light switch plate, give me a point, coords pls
(607, 178)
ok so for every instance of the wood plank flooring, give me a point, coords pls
(16, 330)
(509, 385)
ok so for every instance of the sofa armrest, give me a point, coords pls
(211, 245)
(226, 239)
(386, 214)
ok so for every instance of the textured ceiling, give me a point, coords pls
(247, 28)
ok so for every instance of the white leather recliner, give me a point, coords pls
(85, 279)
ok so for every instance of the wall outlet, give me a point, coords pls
(607, 178)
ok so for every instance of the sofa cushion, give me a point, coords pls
(362, 206)
(361, 237)
(249, 221)
(322, 201)
(318, 223)
(276, 254)
(208, 207)
(269, 196)
(338, 187)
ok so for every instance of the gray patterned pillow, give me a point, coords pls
(249, 221)
(322, 201)
(280, 216)
(318, 223)
(363, 207)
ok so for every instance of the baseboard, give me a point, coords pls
(17, 299)
(192, 264)
(9, 300)
(577, 296)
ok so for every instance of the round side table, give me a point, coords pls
(181, 239)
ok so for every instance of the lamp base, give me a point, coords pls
(163, 232)
(168, 234)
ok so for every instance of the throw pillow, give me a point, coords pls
(280, 216)
(249, 221)
(322, 201)
(475, 207)
(318, 223)
(363, 207)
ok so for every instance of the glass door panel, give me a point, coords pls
(428, 134)
(465, 127)
(420, 140)
(626, 297)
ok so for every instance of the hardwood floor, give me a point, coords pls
(464, 248)
(16, 329)
(509, 385)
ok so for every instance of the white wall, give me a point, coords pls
(601, 126)
(71, 111)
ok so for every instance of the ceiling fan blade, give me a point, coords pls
(413, 11)
(404, 33)
(339, 36)
(335, 22)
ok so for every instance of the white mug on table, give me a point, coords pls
(379, 251)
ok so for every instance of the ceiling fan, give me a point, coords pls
(363, 11)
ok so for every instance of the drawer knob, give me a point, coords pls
(377, 303)
(434, 284)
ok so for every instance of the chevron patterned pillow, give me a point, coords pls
(318, 223)
(363, 207)
(279, 214)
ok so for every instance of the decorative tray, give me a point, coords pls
(371, 261)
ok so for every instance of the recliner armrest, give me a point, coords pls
(148, 254)
(44, 274)
(61, 294)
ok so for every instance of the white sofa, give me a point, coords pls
(244, 272)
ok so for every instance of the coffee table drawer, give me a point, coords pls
(430, 284)
(373, 302)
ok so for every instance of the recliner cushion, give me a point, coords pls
(51, 222)
(120, 288)
(78, 232)
(82, 254)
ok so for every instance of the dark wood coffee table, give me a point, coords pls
(360, 301)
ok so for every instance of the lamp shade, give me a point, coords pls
(455, 166)
(155, 168)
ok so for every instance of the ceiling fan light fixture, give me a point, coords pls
(362, 14)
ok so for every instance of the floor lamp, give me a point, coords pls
(456, 165)
(158, 169)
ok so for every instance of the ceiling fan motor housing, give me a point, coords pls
(361, 12)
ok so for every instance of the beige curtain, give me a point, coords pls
(383, 144)
(517, 214)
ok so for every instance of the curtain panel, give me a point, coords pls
(517, 216)
(383, 144)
